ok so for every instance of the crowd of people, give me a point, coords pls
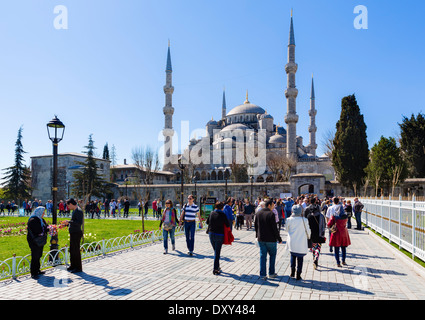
(305, 219)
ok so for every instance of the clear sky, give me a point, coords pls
(104, 75)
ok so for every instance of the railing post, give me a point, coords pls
(399, 222)
(66, 254)
(103, 247)
(413, 227)
(14, 266)
(131, 240)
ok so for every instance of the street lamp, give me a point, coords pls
(182, 167)
(55, 130)
(252, 181)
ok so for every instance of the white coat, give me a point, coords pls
(297, 234)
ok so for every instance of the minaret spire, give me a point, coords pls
(291, 94)
(312, 127)
(168, 110)
(223, 106)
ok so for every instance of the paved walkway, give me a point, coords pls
(374, 272)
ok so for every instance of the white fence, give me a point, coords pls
(15, 266)
(402, 222)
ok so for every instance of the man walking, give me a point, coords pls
(358, 208)
(189, 213)
(267, 235)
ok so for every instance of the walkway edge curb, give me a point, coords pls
(412, 264)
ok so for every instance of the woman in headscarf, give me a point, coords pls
(37, 238)
(298, 234)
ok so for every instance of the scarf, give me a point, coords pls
(38, 212)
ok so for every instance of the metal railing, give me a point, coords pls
(20, 265)
(401, 222)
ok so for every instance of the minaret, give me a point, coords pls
(168, 110)
(223, 106)
(291, 94)
(312, 127)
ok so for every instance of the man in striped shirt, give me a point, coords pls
(189, 213)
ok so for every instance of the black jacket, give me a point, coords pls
(77, 220)
(34, 225)
(266, 227)
(216, 221)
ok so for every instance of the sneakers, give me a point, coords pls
(272, 276)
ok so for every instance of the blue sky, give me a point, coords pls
(104, 75)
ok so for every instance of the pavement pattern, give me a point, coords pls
(375, 271)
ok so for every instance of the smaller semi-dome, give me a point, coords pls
(277, 138)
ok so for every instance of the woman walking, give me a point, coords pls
(168, 223)
(216, 222)
(37, 238)
(298, 234)
(339, 238)
(317, 223)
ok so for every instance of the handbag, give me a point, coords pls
(309, 243)
(40, 241)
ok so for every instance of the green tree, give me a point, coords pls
(88, 182)
(350, 155)
(412, 143)
(386, 165)
(17, 184)
(105, 152)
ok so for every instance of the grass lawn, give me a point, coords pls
(102, 228)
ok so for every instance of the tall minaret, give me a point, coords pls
(168, 110)
(312, 127)
(291, 94)
(223, 106)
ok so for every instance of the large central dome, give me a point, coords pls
(247, 107)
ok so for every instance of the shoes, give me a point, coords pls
(70, 269)
(343, 263)
(41, 272)
(174, 247)
(292, 272)
(165, 251)
(315, 264)
(216, 272)
(35, 277)
(299, 276)
(76, 271)
(272, 276)
(339, 265)
(264, 278)
(190, 253)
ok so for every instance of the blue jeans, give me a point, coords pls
(271, 249)
(297, 260)
(189, 230)
(344, 252)
(165, 236)
(358, 216)
(216, 242)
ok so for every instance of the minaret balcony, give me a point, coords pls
(168, 110)
(291, 118)
(291, 92)
(291, 67)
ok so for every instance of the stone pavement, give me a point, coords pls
(374, 272)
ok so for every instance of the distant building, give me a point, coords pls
(121, 172)
(41, 170)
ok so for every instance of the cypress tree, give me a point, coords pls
(17, 177)
(88, 182)
(350, 156)
(412, 143)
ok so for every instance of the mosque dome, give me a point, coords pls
(246, 107)
(235, 126)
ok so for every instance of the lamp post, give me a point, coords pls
(55, 130)
(252, 181)
(182, 167)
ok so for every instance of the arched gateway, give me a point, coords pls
(313, 183)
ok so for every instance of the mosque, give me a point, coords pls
(286, 158)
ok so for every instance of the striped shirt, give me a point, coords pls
(190, 212)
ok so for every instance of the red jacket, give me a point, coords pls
(340, 238)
